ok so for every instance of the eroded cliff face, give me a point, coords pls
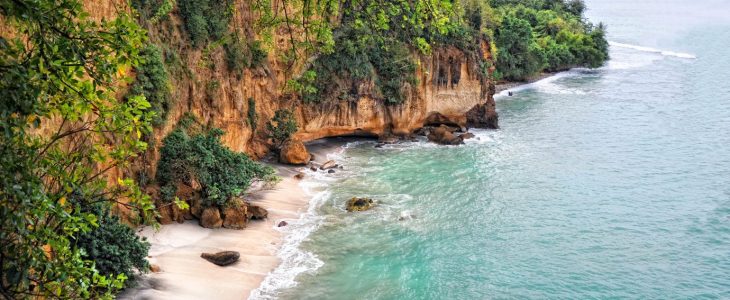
(448, 87)
(449, 90)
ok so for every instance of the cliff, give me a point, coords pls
(449, 89)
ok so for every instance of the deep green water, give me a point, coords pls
(610, 183)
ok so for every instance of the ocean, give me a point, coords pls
(606, 183)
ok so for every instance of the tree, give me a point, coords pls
(62, 129)
(519, 55)
(281, 126)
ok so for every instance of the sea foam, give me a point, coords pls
(653, 50)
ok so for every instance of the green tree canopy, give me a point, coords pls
(62, 129)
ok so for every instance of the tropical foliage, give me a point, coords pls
(281, 126)
(196, 154)
(546, 35)
(62, 129)
(152, 82)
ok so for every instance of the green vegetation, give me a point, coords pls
(113, 247)
(281, 126)
(153, 83)
(546, 35)
(205, 19)
(241, 55)
(253, 118)
(153, 10)
(58, 70)
(191, 153)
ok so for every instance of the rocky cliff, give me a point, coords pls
(449, 90)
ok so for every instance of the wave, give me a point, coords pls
(653, 50)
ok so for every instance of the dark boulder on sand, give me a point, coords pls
(223, 258)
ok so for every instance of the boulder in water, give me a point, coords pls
(444, 135)
(328, 165)
(359, 204)
(466, 136)
(222, 258)
(282, 224)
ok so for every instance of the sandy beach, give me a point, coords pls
(183, 274)
(176, 248)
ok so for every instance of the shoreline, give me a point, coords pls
(176, 248)
(507, 85)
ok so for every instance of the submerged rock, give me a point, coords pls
(282, 224)
(295, 153)
(330, 171)
(223, 258)
(359, 204)
(299, 176)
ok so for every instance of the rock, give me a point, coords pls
(379, 145)
(509, 93)
(388, 139)
(359, 204)
(466, 136)
(155, 268)
(166, 214)
(313, 168)
(235, 216)
(331, 171)
(328, 165)
(223, 258)
(196, 207)
(299, 176)
(211, 218)
(311, 157)
(442, 135)
(256, 212)
(423, 131)
(482, 116)
(282, 224)
(294, 152)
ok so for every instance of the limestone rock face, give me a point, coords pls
(359, 204)
(235, 217)
(294, 152)
(211, 218)
(444, 136)
(222, 258)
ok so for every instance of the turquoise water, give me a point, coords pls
(610, 183)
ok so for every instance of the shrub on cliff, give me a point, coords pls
(113, 247)
(205, 19)
(153, 83)
(202, 158)
(281, 127)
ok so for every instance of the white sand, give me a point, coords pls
(176, 248)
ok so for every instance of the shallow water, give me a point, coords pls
(609, 183)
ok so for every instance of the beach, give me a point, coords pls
(176, 248)
(183, 274)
